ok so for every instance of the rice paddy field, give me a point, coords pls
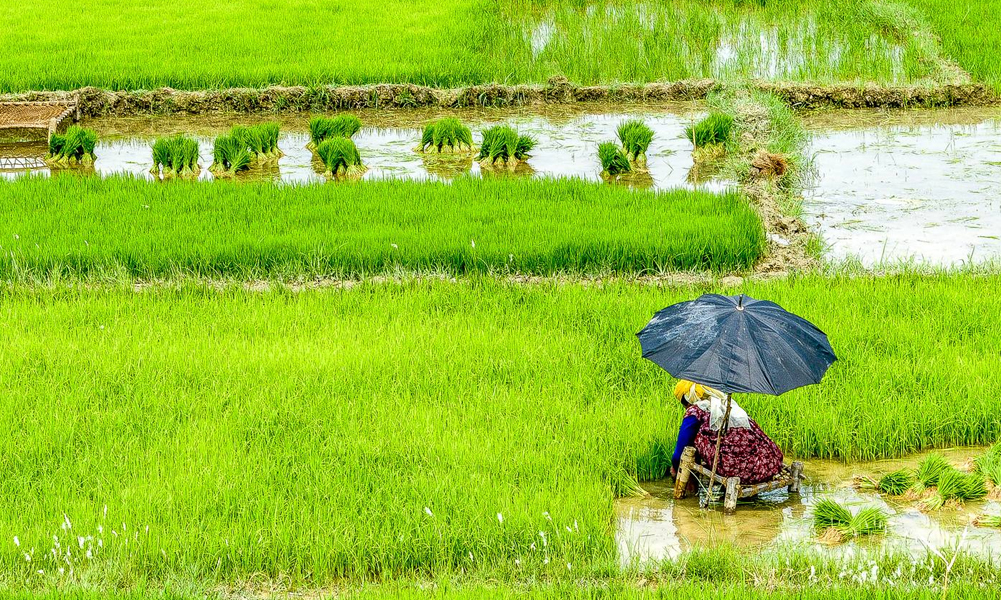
(392, 353)
(124, 44)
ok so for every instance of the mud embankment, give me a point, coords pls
(95, 102)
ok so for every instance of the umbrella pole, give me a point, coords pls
(719, 442)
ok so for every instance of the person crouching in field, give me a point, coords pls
(745, 451)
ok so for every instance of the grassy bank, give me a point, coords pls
(417, 428)
(93, 226)
(142, 45)
(970, 34)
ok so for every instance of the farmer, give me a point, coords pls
(745, 451)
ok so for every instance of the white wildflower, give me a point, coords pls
(428, 511)
(395, 247)
(27, 557)
(17, 542)
(80, 540)
(473, 242)
(542, 534)
(569, 567)
(546, 515)
(500, 518)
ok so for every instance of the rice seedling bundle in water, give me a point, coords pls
(712, 130)
(635, 137)
(989, 466)
(929, 471)
(613, 159)
(325, 128)
(341, 158)
(261, 140)
(230, 156)
(175, 156)
(958, 486)
(76, 146)
(502, 145)
(446, 136)
(896, 483)
(836, 523)
(988, 521)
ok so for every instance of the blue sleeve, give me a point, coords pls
(686, 437)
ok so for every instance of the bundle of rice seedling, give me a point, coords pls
(929, 471)
(989, 466)
(895, 484)
(340, 156)
(261, 140)
(714, 129)
(613, 159)
(177, 156)
(501, 143)
(446, 136)
(229, 156)
(836, 523)
(635, 137)
(76, 146)
(325, 128)
(988, 521)
(957, 486)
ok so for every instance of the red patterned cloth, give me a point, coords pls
(745, 452)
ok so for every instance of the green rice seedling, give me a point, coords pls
(896, 483)
(75, 147)
(868, 521)
(323, 128)
(836, 523)
(635, 137)
(714, 129)
(340, 157)
(988, 521)
(502, 144)
(175, 156)
(929, 471)
(261, 140)
(230, 155)
(613, 160)
(958, 486)
(448, 136)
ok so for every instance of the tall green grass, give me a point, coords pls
(471, 225)
(970, 33)
(383, 428)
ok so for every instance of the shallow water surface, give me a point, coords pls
(921, 186)
(567, 140)
(657, 527)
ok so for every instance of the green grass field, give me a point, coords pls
(126, 44)
(93, 226)
(420, 428)
(970, 33)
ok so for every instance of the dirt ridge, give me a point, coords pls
(95, 102)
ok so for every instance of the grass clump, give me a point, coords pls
(340, 157)
(635, 137)
(613, 160)
(230, 156)
(896, 483)
(446, 136)
(175, 156)
(75, 147)
(956, 486)
(929, 472)
(502, 144)
(836, 523)
(714, 129)
(325, 128)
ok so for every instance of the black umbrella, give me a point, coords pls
(737, 344)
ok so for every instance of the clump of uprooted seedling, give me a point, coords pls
(834, 523)
(446, 136)
(502, 146)
(935, 482)
(340, 157)
(635, 137)
(896, 483)
(988, 466)
(236, 151)
(175, 156)
(325, 128)
(75, 147)
(613, 160)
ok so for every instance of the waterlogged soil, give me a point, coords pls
(656, 527)
(907, 186)
(567, 139)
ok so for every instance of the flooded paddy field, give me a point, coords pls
(913, 186)
(657, 527)
(567, 140)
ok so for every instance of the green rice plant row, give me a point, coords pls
(536, 226)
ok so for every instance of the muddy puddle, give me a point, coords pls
(657, 527)
(907, 186)
(567, 140)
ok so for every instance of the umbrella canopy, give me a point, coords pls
(737, 344)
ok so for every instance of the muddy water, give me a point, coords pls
(922, 186)
(567, 143)
(657, 527)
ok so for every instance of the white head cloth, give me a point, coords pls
(714, 403)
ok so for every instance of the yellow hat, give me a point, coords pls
(681, 390)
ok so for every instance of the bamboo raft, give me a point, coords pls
(36, 115)
(789, 477)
